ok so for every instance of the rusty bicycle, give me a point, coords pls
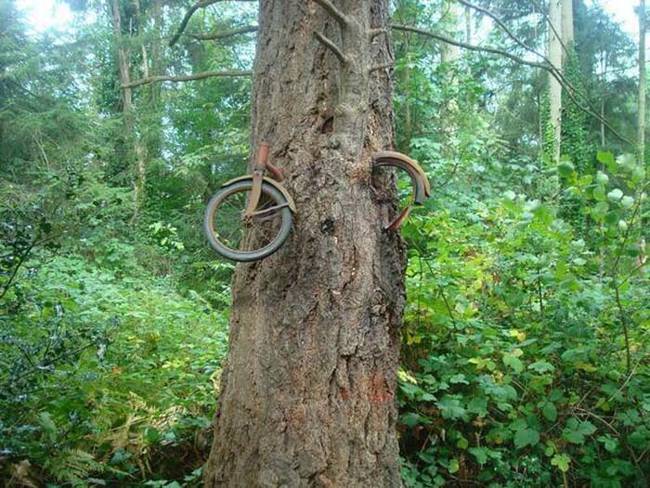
(250, 217)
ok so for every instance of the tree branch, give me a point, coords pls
(225, 34)
(556, 71)
(328, 43)
(570, 90)
(188, 15)
(503, 26)
(331, 9)
(197, 76)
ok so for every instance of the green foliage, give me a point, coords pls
(525, 338)
(525, 342)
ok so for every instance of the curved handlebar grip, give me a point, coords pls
(263, 154)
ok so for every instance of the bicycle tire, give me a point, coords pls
(256, 254)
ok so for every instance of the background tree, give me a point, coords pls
(642, 80)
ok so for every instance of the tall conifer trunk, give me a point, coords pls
(308, 391)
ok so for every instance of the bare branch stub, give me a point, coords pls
(372, 33)
(380, 67)
(331, 9)
(331, 45)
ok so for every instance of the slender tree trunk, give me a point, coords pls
(602, 125)
(468, 25)
(308, 390)
(408, 116)
(138, 150)
(555, 89)
(451, 53)
(642, 81)
(567, 27)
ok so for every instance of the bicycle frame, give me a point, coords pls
(419, 180)
(258, 176)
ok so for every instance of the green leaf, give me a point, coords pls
(599, 193)
(575, 430)
(526, 437)
(549, 411)
(478, 405)
(561, 461)
(627, 201)
(602, 178)
(610, 443)
(566, 169)
(451, 407)
(462, 443)
(541, 366)
(411, 419)
(606, 158)
(599, 211)
(48, 425)
(615, 195)
(480, 453)
(458, 378)
(513, 362)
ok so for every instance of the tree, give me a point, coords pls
(137, 151)
(642, 81)
(555, 88)
(308, 392)
(567, 26)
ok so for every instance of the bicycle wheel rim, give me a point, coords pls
(264, 234)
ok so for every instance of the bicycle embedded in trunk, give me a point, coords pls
(250, 217)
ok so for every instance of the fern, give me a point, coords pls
(73, 467)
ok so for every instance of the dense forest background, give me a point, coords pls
(525, 357)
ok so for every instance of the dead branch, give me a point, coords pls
(188, 15)
(196, 76)
(570, 90)
(225, 34)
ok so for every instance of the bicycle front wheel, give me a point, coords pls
(246, 239)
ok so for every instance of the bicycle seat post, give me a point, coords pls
(258, 176)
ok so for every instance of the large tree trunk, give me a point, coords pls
(308, 391)
(555, 89)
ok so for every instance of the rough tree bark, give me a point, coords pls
(307, 393)
(555, 89)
